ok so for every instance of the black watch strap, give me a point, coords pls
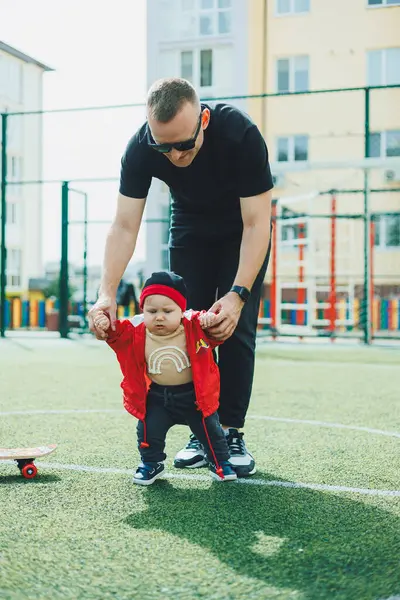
(243, 292)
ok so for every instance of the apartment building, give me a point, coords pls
(308, 45)
(21, 84)
(243, 47)
(206, 42)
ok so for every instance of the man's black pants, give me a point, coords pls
(209, 272)
(173, 405)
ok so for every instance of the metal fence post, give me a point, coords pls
(64, 278)
(367, 218)
(85, 265)
(3, 250)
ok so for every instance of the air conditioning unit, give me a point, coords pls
(391, 175)
(278, 180)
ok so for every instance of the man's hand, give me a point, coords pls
(228, 310)
(104, 304)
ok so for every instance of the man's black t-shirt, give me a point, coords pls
(231, 164)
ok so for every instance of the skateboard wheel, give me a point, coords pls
(29, 471)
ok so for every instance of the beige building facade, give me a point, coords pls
(308, 45)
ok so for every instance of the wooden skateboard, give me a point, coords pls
(24, 458)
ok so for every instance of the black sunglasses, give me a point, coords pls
(180, 146)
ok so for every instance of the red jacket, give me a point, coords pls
(128, 342)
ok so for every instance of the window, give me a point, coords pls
(295, 229)
(14, 267)
(283, 66)
(383, 2)
(292, 74)
(289, 7)
(207, 17)
(187, 65)
(15, 168)
(215, 17)
(198, 66)
(12, 213)
(384, 143)
(206, 68)
(387, 231)
(392, 143)
(14, 173)
(383, 67)
(282, 147)
(293, 148)
(301, 147)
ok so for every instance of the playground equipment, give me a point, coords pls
(318, 285)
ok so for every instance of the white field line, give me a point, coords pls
(327, 424)
(205, 478)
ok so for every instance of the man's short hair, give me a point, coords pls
(166, 97)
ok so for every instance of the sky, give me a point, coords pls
(98, 51)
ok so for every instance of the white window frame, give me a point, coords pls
(382, 223)
(197, 11)
(291, 147)
(384, 4)
(383, 146)
(292, 10)
(383, 61)
(292, 71)
(196, 68)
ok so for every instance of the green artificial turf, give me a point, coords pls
(94, 535)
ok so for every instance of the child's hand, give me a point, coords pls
(207, 320)
(101, 321)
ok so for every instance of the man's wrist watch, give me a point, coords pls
(241, 291)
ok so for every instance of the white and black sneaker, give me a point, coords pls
(240, 458)
(146, 473)
(191, 456)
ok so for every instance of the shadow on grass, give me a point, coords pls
(319, 543)
(40, 479)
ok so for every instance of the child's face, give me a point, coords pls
(161, 314)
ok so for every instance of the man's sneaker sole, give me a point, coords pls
(232, 477)
(181, 464)
(243, 472)
(147, 481)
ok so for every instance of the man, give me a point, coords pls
(215, 162)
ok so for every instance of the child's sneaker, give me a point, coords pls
(147, 473)
(228, 473)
